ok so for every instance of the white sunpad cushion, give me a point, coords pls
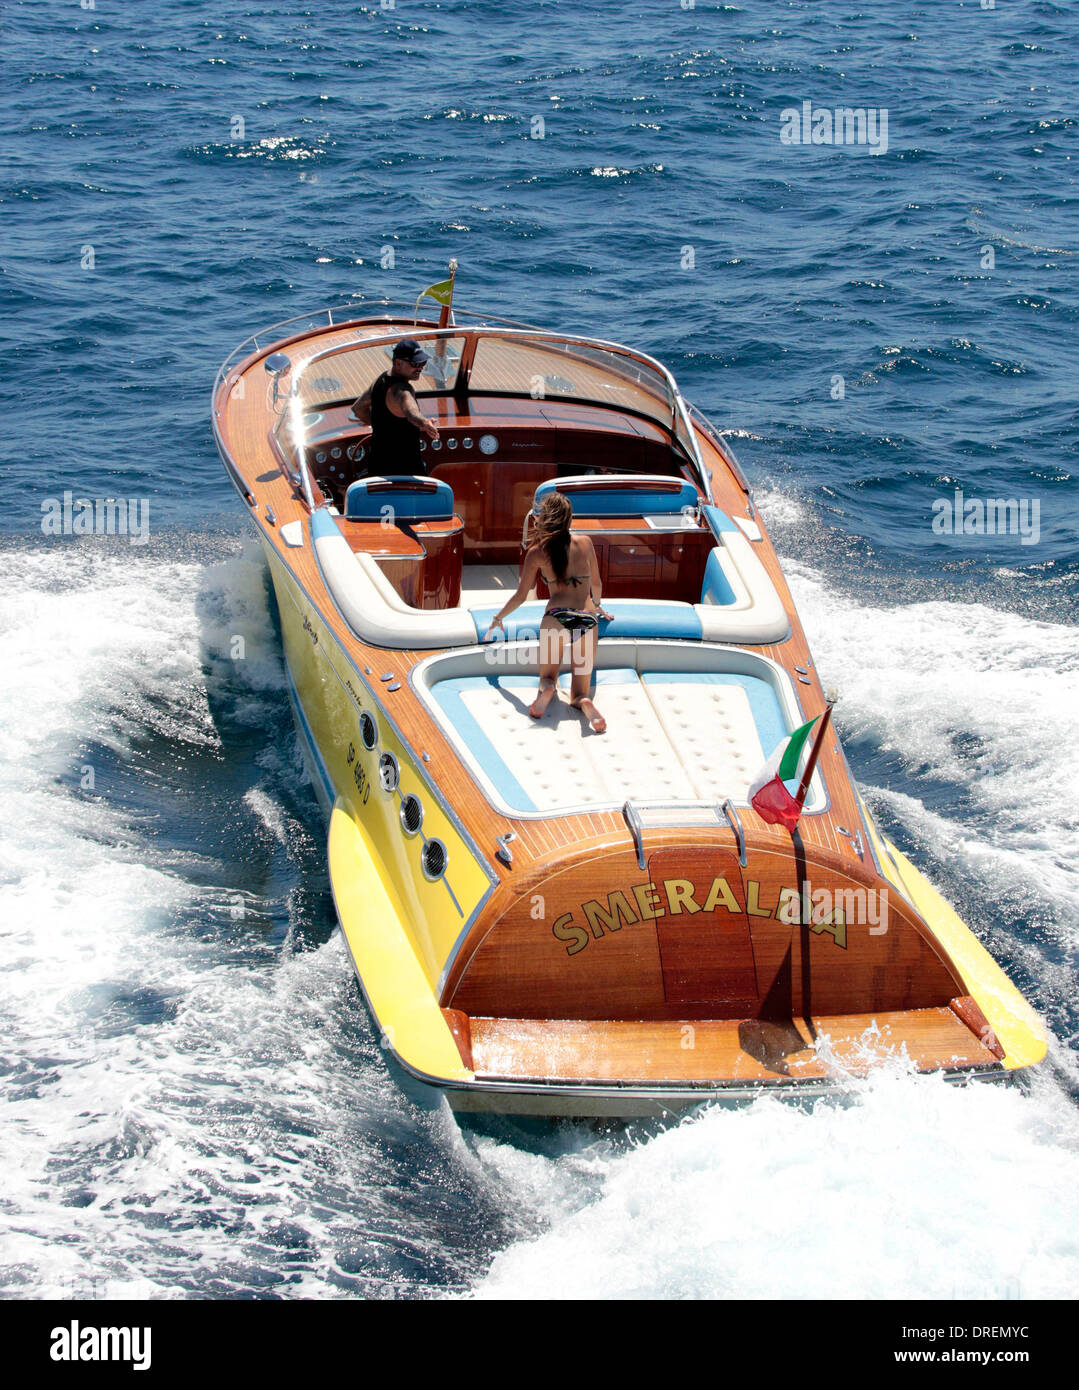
(714, 728)
(560, 763)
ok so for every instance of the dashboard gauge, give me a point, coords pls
(488, 444)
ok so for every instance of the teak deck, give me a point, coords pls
(754, 1051)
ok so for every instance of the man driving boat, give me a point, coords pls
(389, 406)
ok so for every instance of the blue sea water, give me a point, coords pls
(195, 1102)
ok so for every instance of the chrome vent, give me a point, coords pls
(389, 774)
(433, 859)
(411, 814)
(368, 730)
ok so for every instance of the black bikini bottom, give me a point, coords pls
(576, 621)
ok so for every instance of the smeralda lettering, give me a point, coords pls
(642, 903)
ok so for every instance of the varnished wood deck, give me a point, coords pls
(752, 1051)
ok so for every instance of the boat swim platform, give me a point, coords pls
(682, 726)
(630, 1069)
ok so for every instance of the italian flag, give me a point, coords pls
(767, 795)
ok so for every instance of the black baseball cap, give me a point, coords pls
(410, 350)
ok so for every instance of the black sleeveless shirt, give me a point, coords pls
(395, 442)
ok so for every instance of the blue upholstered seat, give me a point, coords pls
(407, 498)
(630, 618)
(625, 496)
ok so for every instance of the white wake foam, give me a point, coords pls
(110, 652)
(912, 1189)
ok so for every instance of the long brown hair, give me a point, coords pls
(551, 530)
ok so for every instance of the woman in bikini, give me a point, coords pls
(567, 565)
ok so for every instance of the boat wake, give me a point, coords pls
(195, 1103)
(957, 720)
(905, 1188)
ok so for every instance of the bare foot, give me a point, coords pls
(539, 705)
(595, 719)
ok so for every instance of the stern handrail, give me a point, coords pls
(735, 823)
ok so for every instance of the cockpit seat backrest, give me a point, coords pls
(624, 494)
(403, 498)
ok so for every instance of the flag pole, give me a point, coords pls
(443, 322)
(814, 754)
(447, 308)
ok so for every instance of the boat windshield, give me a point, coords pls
(567, 370)
(494, 362)
(346, 374)
(506, 363)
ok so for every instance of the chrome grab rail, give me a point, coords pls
(682, 413)
(296, 413)
(692, 813)
(636, 829)
(735, 823)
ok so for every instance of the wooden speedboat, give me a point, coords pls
(542, 919)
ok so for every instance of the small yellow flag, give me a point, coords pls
(443, 291)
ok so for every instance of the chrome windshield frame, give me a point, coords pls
(476, 324)
(679, 412)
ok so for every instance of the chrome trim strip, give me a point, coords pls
(636, 829)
